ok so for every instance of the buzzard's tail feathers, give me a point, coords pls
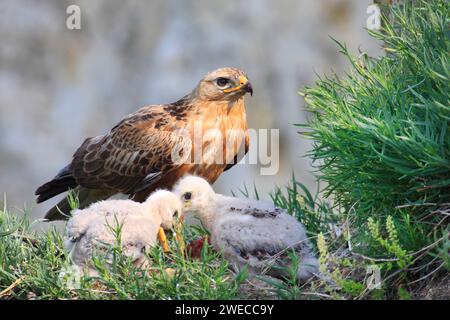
(85, 197)
(63, 181)
(55, 187)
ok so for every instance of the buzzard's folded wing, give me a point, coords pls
(137, 151)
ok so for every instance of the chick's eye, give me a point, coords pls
(175, 213)
(187, 196)
(222, 82)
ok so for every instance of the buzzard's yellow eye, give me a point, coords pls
(222, 82)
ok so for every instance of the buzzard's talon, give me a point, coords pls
(163, 240)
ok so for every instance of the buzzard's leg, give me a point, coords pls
(163, 240)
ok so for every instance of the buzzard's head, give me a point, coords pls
(223, 84)
(168, 206)
(195, 193)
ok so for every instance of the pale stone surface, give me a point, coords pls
(58, 86)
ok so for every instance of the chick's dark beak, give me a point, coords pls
(248, 88)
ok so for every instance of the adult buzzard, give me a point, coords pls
(203, 133)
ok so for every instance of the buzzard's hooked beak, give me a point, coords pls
(186, 204)
(243, 84)
(248, 88)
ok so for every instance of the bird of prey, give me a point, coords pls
(92, 228)
(142, 153)
(249, 232)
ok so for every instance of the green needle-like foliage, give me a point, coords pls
(381, 133)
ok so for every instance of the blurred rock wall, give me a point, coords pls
(59, 86)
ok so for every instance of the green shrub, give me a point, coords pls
(381, 138)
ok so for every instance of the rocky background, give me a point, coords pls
(59, 86)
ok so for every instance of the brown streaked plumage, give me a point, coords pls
(135, 157)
